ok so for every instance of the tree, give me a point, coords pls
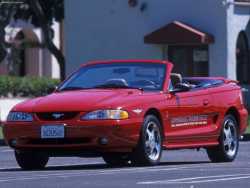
(41, 13)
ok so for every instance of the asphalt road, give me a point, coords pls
(181, 169)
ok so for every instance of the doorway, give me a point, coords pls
(242, 59)
(189, 60)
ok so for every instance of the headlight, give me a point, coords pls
(105, 114)
(19, 116)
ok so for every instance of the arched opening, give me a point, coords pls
(242, 55)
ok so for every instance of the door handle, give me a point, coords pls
(205, 102)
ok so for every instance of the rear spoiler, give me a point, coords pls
(227, 81)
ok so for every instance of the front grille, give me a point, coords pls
(56, 116)
(59, 141)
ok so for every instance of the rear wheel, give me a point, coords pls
(228, 146)
(149, 148)
(28, 160)
(116, 159)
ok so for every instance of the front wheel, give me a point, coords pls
(149, 148)
(228, 146)
(31, 160)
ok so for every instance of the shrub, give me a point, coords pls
(4, 85)
(26, 86)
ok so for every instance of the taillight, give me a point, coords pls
(242, 94)
(241, 98)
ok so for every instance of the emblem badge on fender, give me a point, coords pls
(137, 111)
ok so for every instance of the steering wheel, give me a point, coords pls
(117, 81)
(146, 83)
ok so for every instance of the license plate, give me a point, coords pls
(52, 131)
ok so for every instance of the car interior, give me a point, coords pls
(177, 82)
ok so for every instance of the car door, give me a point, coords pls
(192, 122)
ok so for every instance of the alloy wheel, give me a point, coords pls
(230, 137)
(153, 141)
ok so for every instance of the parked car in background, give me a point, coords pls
(128, 110)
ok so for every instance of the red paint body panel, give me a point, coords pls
(206, 106)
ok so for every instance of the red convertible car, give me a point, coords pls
(127, 112)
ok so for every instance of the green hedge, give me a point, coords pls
(26, 86)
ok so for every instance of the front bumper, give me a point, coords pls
(121, 136)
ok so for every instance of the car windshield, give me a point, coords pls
(144, 76)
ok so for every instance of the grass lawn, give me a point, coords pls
(248, 128)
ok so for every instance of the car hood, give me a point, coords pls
(84, 100)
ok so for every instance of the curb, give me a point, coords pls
(246, 137)
(2, 143)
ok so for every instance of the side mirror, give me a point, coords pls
(180, 87)
(53, 90)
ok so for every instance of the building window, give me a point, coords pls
(189, 60)
(242, 1)
(242, 59)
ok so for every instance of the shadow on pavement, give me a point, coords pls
(102, 166)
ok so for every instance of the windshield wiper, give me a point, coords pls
(115, 86)
(72, 88)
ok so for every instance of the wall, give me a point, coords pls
(110, 29)
(237, 19)
(6, 105)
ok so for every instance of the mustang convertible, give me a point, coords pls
(128, 111)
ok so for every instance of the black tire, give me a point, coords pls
(144, 154)
(227, 149)
(116, 159)
(28, 160)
